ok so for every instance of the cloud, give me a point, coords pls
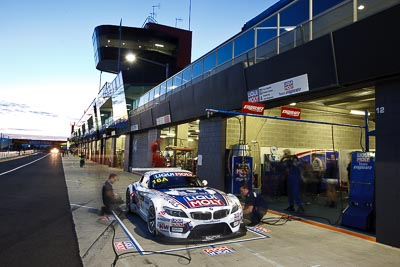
(19, 129)
(28, 119)
(7, 107)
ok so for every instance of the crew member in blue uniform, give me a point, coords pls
(293, 170)
(252, 213)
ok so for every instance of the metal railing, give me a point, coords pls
(332, 19)
(335, 18)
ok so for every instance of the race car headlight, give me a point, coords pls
(235, 208)
(175, 213)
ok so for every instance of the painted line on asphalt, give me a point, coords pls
(144, 252)
(261, 257)
(83, 206)
(23, 165)
(214, 244)
(130, 236)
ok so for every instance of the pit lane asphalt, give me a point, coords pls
(294, 243)
(37, 227)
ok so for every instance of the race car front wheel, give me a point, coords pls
(128, 201)
(151, 220)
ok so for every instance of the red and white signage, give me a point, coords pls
(253, 108)
(289, 112)
(163, 120)
(219, 250)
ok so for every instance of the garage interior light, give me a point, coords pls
(358, 112)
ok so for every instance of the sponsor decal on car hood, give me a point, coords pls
(197, 198)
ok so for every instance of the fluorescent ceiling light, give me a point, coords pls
(358, 112)
(360, 7)
(159, 45)
(288, 28)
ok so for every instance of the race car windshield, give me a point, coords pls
(173, 180)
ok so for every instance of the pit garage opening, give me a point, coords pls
(326, 128)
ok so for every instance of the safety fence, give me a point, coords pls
(11, 154)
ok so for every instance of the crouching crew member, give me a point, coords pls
(252, 213)
(111, 200)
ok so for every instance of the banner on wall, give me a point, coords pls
(289, 112)
(295, 85)
(253, 108)
(163, 119)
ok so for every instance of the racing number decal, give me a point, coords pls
(160, 180)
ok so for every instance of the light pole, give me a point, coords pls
(132, 58)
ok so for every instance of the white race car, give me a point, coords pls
(177, 205)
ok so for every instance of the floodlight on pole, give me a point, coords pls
(132, 58)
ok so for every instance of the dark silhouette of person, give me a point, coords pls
(293, 169)
(332, 180)
(111, 200)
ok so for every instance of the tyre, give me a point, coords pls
(152, 220)
(128, 201)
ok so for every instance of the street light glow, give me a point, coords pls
(130, 57)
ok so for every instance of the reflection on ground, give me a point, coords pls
(316, 205)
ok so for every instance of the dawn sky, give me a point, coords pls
(48, 74)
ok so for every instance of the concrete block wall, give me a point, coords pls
(269, 132)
